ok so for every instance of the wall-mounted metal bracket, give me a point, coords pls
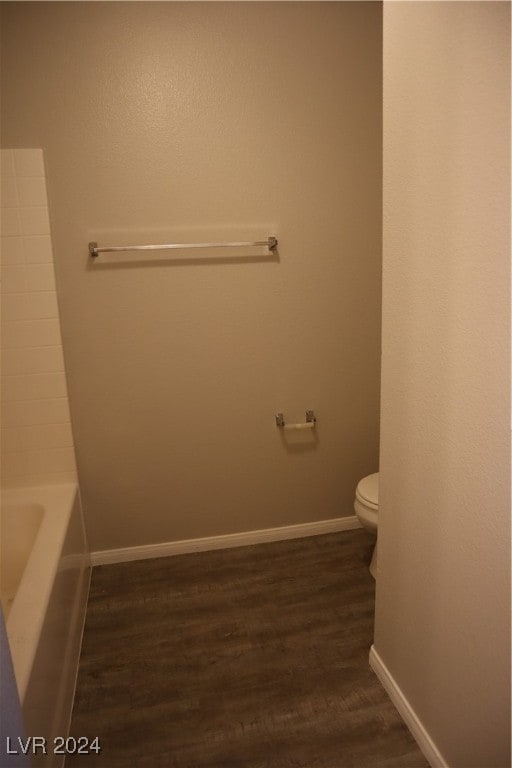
(308, 424)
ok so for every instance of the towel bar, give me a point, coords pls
(95, 250)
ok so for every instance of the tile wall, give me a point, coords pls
(36, 436)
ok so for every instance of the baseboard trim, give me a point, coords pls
(185, 546)
(409, 716)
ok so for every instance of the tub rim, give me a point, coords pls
(28, 611)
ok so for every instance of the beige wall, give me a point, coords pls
(443, 610)
(195, 122)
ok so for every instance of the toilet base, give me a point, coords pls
(373, 562)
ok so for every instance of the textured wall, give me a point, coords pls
(443, 589)
(37, 442)
(199, 121)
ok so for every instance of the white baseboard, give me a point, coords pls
(409, 716)
(167, 548)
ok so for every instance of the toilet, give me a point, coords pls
(366, 506)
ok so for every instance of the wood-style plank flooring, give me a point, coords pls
(254, 657)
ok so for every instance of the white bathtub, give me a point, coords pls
(44, 584)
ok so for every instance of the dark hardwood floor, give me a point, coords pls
(254, 657)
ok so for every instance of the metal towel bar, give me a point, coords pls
(95, 250)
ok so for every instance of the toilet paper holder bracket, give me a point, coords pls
(308, 424)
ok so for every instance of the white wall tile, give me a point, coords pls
(14, 439)
(10, 223)
(39, 277)
(33, 386)
(6, 162)
(52, 460)
(43, 304)
(14, 334)
(31, 191)
(14, 465)
(55, 478)
(38, 249)
(13, 279)
(41, 436)
(52, 436)
(8, 192)
(37, 437)
(37, 440)
(29, 162)
(12, 309)
(30, 333)
(32, 360)
(29, 306)
(27, 412)
(27, 478)
(35, 220)
(27, 464)
(11, 250)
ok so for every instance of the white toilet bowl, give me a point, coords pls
(366, 506)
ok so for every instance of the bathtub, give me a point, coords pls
(44, 583)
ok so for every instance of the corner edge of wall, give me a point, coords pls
(406, 711)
